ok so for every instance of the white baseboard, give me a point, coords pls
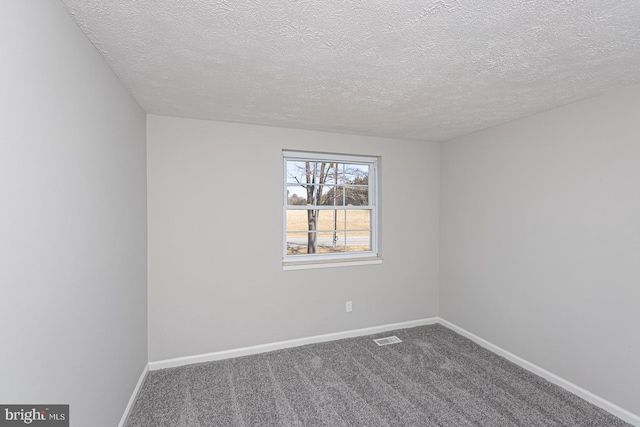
(263, 348)
(553, 378)
(134, 396)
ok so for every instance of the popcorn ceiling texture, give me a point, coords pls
(426, 70)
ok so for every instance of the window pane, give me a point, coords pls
(330, 242)
(310, 172)
(296, 172)
(357, 195)
(297, 243)
(358, 220)
(333, 195)
(356, 174)
(339, 173)
(297, 220)
(319, 176)
(296, 195)
(325, 222)
(328, 194)
(358, 241)
(335, 243)
(341, 217)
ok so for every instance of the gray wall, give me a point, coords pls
(540, 235)
(72, 222)
(215, 239)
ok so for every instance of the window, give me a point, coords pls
(329, 209)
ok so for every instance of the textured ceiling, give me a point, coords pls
(427, 70)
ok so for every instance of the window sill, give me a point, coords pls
(307, 265)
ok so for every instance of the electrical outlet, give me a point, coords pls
(349, 306)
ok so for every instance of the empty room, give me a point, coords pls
(301, 213)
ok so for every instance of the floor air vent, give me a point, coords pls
(386, 341)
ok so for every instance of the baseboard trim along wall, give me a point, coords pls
(619, 412)
(134, 396)
(263, 348)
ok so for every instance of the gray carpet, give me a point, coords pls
(435, 377)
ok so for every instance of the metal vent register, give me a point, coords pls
(389, 340)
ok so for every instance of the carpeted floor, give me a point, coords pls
(435, 377)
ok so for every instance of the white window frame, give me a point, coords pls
(322, 260)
